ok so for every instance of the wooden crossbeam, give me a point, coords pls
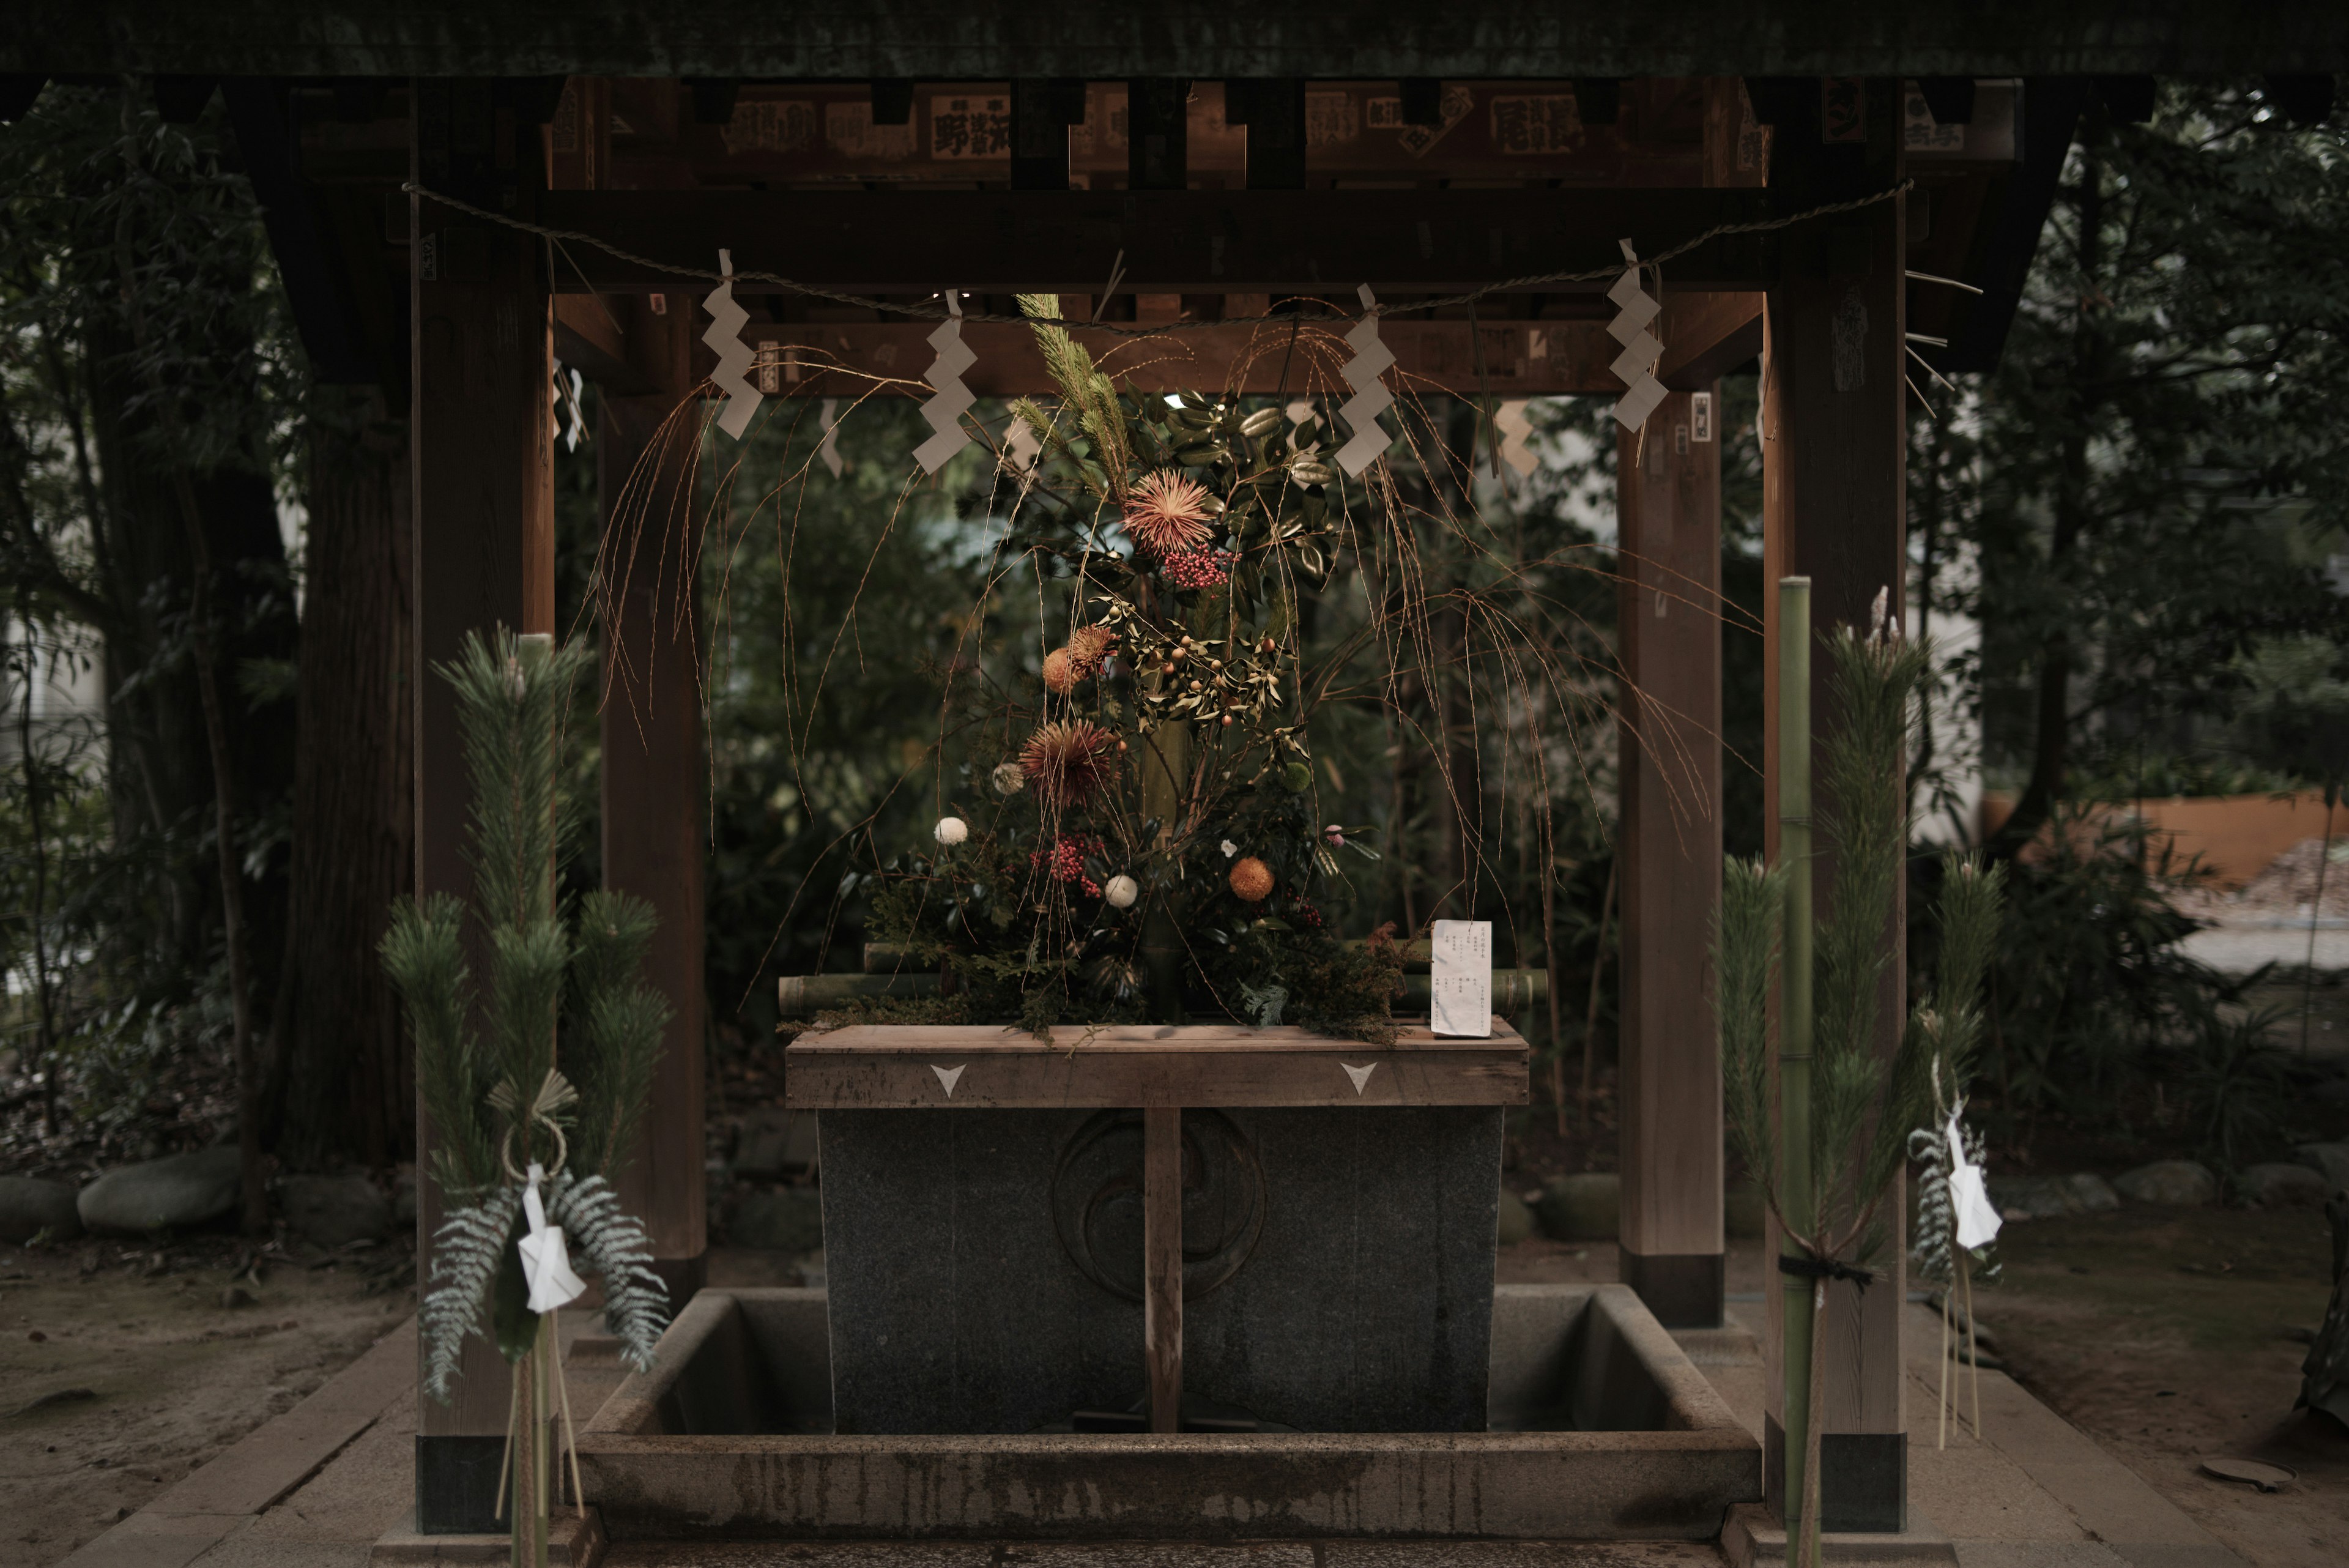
(1706, 336)
(1519, 359)
(1170, 242)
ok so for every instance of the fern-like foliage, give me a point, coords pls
(1937, 1224)
(614, 1245)
(467, 1251)
(1933, 1250)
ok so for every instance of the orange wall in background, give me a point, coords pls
(2236, 836)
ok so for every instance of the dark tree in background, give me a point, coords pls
(349, 1094)
(150, 371)
(2161, 443)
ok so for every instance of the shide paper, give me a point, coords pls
(734, 356)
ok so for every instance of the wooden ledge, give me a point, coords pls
(883, 1066)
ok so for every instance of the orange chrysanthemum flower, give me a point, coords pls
(1251, 880)
(1070, 761)
(1166, 513)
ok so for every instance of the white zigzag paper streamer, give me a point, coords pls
(828, 449)
(945, 411)
(1370, 398)
(1515, 427)
(734, 356)
(1635, 366)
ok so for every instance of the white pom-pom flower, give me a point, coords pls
(1121, 891)
(952, 830)
(1230, 849)
(1010, 778)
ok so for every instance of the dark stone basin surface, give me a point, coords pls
(1600, 1428)
(1338, 1269)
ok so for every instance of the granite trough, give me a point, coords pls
(1597, 1428)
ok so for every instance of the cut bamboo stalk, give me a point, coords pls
(1794, 1027)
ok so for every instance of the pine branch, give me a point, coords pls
(1745, 960)
(613, 1033)
(1087, 391)
(527, 966)
(424, 953)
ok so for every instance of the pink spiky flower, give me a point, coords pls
(1167, 512)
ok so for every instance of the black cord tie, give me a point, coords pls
(1827, 1269)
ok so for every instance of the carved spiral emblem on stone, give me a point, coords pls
(1097, 1201)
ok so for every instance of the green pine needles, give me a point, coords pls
(553, 1062)
(1859, 1103)
(1863, 1101)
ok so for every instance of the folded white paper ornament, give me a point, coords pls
(546, 1258)
(1977, 1216)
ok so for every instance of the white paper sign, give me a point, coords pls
(1461, 992)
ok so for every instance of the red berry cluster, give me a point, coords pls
(1065, 862)
(1308, 915)
(1196, 568)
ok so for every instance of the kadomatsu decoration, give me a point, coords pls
(1143, 840)
(1826, 1135)
(533, 1105)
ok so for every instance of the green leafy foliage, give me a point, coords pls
(1746, 954)
(1864, 1099)
(560, 1074)
(2151, 482)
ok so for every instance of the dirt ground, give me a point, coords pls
(121, 1370)
(2172, 1335)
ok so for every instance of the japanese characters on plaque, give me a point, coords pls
(971, 125)
(1536, 125)
(770, 125)
(1460, 991)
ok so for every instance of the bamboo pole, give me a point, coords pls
(1799, 1207)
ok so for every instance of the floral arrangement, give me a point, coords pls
(1146, 844)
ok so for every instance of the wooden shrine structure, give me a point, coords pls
(1217, 161)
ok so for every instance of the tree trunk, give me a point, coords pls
(348, 1086)
(2051, 728)
(160, 764)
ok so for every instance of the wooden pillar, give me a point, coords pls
(484, 556)
(1161, 1263)
(1834, 473)
(1667, 624)
(654, 776)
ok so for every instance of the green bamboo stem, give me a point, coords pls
(1165, 780)
(1798, 1200)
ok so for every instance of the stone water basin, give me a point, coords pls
(1599, 1429)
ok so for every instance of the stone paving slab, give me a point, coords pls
(226, 1496)
(1167, 1554)
(2109, 1504)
